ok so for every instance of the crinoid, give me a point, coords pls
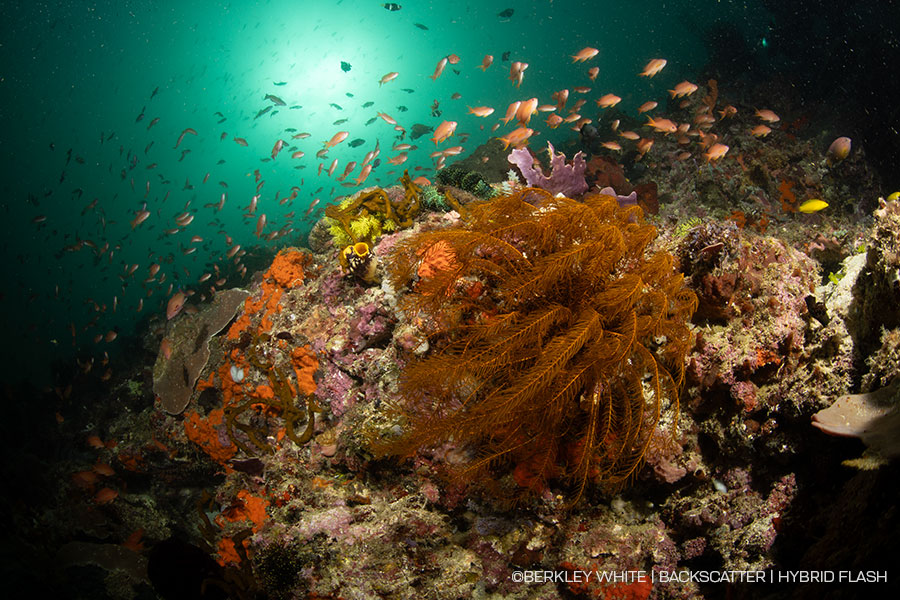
(559, 339)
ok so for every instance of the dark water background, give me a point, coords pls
(76, 76)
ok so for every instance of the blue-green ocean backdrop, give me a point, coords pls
(83, 81)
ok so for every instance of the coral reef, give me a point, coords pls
(267, 485)
(557, 314)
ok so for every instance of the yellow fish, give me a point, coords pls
(893, 197)
(812, 205)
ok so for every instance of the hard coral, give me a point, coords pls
(562, 359)
(174, 376)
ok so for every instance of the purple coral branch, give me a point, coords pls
(566, 179)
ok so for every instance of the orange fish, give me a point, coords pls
(439, 68)
(452, 59)
(525, 110)
(105, 496)
(486, 62)
(517, 72)
(84, 479)
(644, 145)
(760, 131)
(133, 542)
(481, 111)
(554, 121)
(768, 116)
(399, 159)
(593, 72)
(653, 67)
(364, 174)
(561, 97)
(511, 111)
(704, 120)
(629, 135)
(420, 180)
(176, 303)
(347, 170)
(584, 54)
(715, 152)
(728, 111)
(277, 148)
(611, 146)
(103, 469)
(336, 139)
(516, 137)
(388, 77)
(647, 106)
(140, 218)
(261, 223)
(685, 88)
(608, 101)
(443, 131)
(662, 125)
(387, 118)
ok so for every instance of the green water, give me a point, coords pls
(78, 75)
